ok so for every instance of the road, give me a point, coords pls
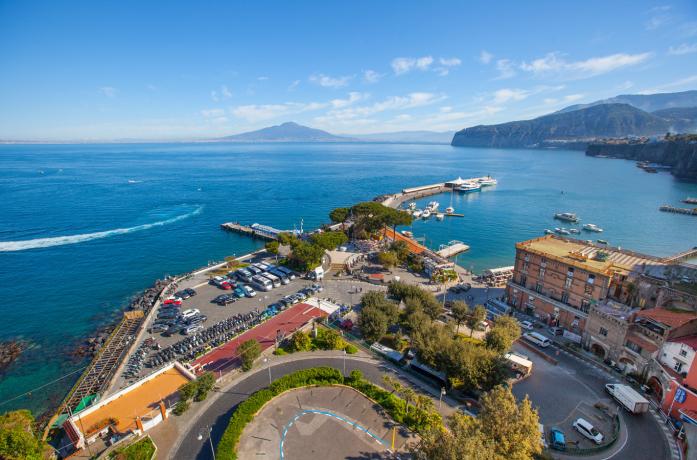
(558, 390)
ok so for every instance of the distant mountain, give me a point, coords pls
(681, 120)
(606, 120)
(646, 102)
(407, 137)
(286, 132)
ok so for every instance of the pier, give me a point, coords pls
(685, 255)
(414, 193)
(673, 209)
(255, 230)
(452, 248)
(690, 200)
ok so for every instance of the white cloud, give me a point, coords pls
(505, 68)
(659, 18)
(683, 48)
(353, 98)
(403, 65)
(330, 82)
(554, 64)
(223, 93)
(371, 76)
(507, 94)
(108, 91)
(450, 62)
(260, 112)
(212, 113)
(572, 97)
(410, 101)
(485, 57)
(293, 85)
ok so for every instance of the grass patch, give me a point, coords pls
(142, 449)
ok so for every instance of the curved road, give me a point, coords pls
(645, 437)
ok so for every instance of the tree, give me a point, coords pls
(18, 440)
(329, 339)
(373, 323)
(460, 441)
(388, 259)
(249, 351)
(409, 395)
(339, 215)
(272, 247)
(460, 311)
(476, 317)
(401, 250)
(305, 256)
(329, 240)
(377, 300)
(300, 341)
(505, 331)
(510, 428)
(204, 383)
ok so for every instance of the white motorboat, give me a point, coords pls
(407, 233)
(567, 216)
(487, 181)
(469, 187)
(417, 213)
(575, 231)
(548, 231)
(440, 216)
(449, 210)
(561, 231)
(592, 228)
(412, 205)
(426, 214)
(433, 206)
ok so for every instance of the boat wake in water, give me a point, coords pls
(9, 246)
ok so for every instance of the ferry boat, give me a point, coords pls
(488, 181)
(440, 216)
(567, 216)
(592, 228)
(417, 213)
(426, 214)
(469, 187)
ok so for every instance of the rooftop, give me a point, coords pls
(671, 318)
(582, 254)
(615, 309)
(690, 341)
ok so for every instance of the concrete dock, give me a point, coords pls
(414, 193)
(452, 248)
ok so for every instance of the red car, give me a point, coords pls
(173, 301)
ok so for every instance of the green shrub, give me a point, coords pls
(143, 449)
(181, 407)
(280, 352)
(351, 349)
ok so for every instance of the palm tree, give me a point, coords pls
(409, 395)
(424, 403)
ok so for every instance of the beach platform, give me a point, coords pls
(449, 250)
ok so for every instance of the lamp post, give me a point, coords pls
(344, 363)
(200, 438)
(268, 362)
(440, 400)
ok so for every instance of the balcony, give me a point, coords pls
(543, 295)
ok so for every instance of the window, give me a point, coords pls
(588, 289)
(523, 280)
(525, 267)
(527, 257)
(542, 272)
(565, 297)
(585, 305)
(602, 331)
(567, 283)
(683, 352)
(538, 288)
(570, 272)
(633, 346)
(678, 366)
(591, 279)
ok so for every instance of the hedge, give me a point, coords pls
(321, 376)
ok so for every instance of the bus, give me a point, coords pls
(275, 280)
(261, 283)
(289, 273)
(280, 274)
(538, 339)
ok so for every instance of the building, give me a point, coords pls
(558, 279)
(135, 409)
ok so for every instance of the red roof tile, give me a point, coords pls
(670, 318)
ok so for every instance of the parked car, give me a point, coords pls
(172, 301)
(586, 429)
(527, 325)
(249, 292)
(191, 312)
(556, 439)
(556, 331)
(159, 327)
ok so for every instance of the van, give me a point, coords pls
(244, 275)
(262, 266)
(586, 429)
(261, 283)
(255, 270)
(316, 274)
(537, 338)
(186, 314)
(275, 280)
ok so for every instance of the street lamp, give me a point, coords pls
(344, 363)
(200, 438)
(266, 360)
(440, 400)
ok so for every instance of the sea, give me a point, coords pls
(83, 228)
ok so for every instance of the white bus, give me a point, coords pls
(538, 339)
(261, 283)
(275, 280)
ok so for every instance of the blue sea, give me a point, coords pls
(85, 227)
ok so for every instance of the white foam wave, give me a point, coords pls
(9, 246)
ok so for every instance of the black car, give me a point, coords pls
(159, 327)
(190, 291)
(173, 329)
(182, 294)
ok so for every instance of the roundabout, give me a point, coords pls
(320, 423)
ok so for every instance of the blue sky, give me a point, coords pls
(174, 70)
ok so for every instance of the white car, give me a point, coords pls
(190, 313)
(249, 292)
(526, 325)
(584, 427)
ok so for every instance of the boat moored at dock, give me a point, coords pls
(592, 228)
(567, 216)
(469, 187)
(487, 181)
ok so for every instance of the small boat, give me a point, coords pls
(440, 216)
(469, 187)
(433, 205)
(407, 233)
(548, 231)
(488, 181)
(592, 228)
(575, 231)
(602, 241)
(561, 231)
(417, 213)
(567, 216)
(426, 214)
(412, 205)
(449, 210)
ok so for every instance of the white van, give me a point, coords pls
(261, 283)
(275, 280)
(584, 427)
(317, 274)
(537, 338)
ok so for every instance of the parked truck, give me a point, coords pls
(628, 398)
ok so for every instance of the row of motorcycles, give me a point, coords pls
(213, 336)
(135, 362)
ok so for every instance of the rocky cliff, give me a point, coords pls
(680, 155)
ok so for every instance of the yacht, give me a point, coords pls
(575, 231)
(548, 231)
(407, 233)
(440, 216)
(592, 228)
(417, 213)
(567, 216)
(449, 210)
(561, 231)
(433, 206)
(487, 181)
(426, 214)
(469, 187)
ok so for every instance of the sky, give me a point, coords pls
(163, 70)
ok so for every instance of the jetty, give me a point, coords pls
(255, 230)
(673, 209)
(413, 193)
(681, 256)
(452, 248)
